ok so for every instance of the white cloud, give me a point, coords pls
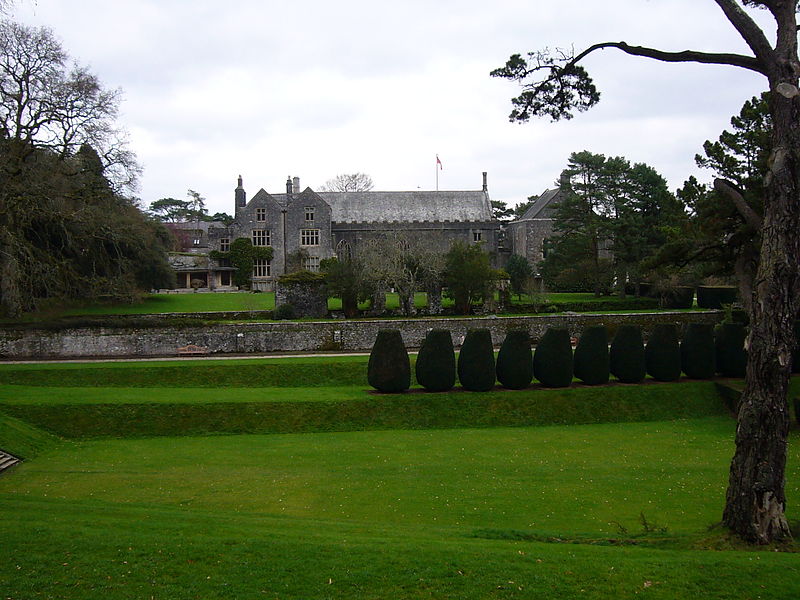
(314, 88)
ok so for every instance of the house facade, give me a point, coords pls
(305, 227)
(528, 235)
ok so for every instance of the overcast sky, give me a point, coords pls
(314, 88)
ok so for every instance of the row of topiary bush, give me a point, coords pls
(701, 354)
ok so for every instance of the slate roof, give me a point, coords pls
(387, 207)
(542, 207)
(195, 225)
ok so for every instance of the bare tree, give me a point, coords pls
(555, 85)
(352, 182)
(54, 121)
(404, 262)
(45, 104)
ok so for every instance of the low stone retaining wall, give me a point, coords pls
(305, 336)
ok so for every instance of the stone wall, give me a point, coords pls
(249, 338)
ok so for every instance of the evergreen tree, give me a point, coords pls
(468, 275)
(520, 271)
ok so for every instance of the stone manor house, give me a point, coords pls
(306, 226)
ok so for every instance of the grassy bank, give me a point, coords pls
(105, 412)
(332, 491)
(596, 511)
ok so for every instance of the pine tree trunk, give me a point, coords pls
(755, 504)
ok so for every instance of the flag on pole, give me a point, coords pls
(438, 162)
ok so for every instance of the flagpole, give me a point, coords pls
(436, 168)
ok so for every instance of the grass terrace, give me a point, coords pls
(247, 301)
(323, 489)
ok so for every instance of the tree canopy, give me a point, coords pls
(348, 182)
(66, 229)
(612, 216)
(468, 275)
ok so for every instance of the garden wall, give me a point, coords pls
(299, 336)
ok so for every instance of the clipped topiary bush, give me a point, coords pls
(515, 360)
(476, 361)
(730, 353)
(663, 353)
(698, 358)
(389, 369)
(715, 296)
(590, 363)
(626, 358)
(552, 360)
(436, 362)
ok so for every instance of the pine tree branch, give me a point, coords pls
(727, 189)
(734, 60)
(747, 28)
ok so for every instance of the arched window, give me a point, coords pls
(343, 250)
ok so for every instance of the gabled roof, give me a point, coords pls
(387, 207)
(539, 208)
(262, 197)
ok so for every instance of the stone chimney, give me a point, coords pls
(485, 184)
(296, 185)
(239, 195)
(289, 185)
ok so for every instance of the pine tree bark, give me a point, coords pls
(755, 502)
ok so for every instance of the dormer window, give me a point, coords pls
(261, 214)
(309, 210)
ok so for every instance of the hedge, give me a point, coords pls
(552, 360)
(716, 296)
(663, 354)
(476, 369)
(515, 360)
(389, 369)
(436, 362)
(632, 303)
(591, 362)
(678, 297)
(698, 359)
(626, 358)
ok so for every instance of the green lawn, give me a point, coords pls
(246, 301)
(380, 510)
(183, 303)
